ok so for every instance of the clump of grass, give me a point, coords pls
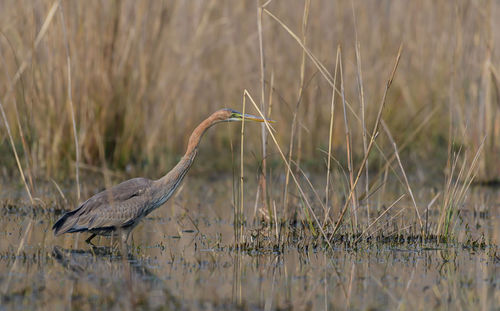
(457, 185)
(351, 198)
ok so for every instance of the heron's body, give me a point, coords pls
(120, 208)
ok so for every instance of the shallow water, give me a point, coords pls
(181, 257)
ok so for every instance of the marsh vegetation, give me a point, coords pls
(376, 188)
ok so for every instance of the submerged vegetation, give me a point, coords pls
(362, 194)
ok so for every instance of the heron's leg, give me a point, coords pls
(124, 234)
(90, 239)
(114, 246)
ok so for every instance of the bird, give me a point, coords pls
(118, 210)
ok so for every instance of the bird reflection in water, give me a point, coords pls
(111, 274)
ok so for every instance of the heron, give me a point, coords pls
(118, 210)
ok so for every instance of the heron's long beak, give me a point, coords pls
(238, 116)
(250, 117)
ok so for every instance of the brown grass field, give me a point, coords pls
(144, 73)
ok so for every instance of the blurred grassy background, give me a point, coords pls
(145, 73)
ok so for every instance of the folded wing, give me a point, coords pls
(116, 207)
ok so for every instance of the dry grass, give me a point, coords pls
(143, 74)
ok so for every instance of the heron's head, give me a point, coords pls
(230, 115)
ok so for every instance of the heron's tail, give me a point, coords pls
(65, 223)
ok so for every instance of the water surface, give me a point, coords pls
(182, 257)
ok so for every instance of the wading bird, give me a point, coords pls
(116, 211)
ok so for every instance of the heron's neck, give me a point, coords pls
(173, 178)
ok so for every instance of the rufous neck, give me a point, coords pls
(194, 139)
(192, 149)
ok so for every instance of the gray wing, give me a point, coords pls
(114, 207)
